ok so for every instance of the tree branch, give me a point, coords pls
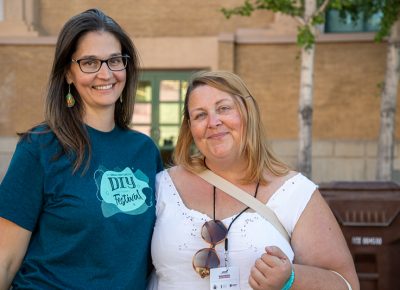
(300, 20)
(322, 7)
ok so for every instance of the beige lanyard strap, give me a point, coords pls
(245, 198)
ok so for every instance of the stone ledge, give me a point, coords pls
(264, 36)
(7, 144)
(25, 40)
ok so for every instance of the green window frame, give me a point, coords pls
(159, 107)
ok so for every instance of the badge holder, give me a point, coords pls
(225, 277)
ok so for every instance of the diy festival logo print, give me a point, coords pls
(123, 191)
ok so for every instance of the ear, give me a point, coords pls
(68, 77)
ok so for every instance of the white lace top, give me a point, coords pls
(177, 236)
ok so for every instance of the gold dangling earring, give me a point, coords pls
(120, 99)
(70, 98)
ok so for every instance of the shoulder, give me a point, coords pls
(37, 138)
(178, 173)
(37, 134)
(300, 181)
(306, 183)
(175, 172)
(161, 175)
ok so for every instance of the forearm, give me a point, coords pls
(313, 278)
(5, 279)
(14, 241)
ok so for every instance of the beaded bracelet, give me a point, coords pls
(289, 282)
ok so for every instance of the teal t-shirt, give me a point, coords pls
(91, 230)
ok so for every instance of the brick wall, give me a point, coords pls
(188, 34)
(154, 18)
(23, 80)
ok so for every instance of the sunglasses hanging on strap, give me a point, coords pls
(245, 198)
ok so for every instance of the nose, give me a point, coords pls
(214, 120)
(104, 71)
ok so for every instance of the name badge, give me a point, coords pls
(224, 278)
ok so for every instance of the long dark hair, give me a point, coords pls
(67, 123)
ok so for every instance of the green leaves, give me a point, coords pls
(289, 7)
(390, 10)
(294, 8)
(245, 10)
(305, 37)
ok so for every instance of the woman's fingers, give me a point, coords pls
(271, 270)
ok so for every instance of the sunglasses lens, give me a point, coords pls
(214, 232)
(204, 260)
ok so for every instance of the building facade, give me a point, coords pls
(178, 37)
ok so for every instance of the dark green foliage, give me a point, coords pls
(305, 38)
(289, 7)
(390, 10)
(294, 8)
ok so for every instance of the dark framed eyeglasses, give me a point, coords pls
(213, 232)
(93, 65)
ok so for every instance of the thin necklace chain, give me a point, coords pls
(226, 239)
(214, 192)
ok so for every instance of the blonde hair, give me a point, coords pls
(253, 142)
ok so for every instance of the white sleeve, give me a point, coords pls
(160, 183)
(290, 200)
(152, 284)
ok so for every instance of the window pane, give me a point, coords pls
(374, 21)
(184, 86)
(143, 93)
(169, 90)
(168, 135)
(143, 129)
(169, 113)
(142, 114)
(335, 23)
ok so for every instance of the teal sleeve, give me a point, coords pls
(21, 191)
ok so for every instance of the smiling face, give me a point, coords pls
(100, 90)
(215, 123)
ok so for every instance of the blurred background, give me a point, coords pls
(178, 37)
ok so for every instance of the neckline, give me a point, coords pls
(90, 129)
(180, 200)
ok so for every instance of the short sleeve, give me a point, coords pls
(161, 182)
(21, 191)
(290, 200)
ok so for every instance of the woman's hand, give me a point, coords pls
(271, 270)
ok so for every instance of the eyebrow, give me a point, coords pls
(96, 57)
(217, 103)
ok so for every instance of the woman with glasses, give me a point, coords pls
(206, 239)
(77, 202)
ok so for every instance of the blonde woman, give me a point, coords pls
(201, 231)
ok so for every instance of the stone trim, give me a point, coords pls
(263, 36)
(23, 40)
(19, 18)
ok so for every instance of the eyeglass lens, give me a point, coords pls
(91, 65)
(213, 232)
(204, 260)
